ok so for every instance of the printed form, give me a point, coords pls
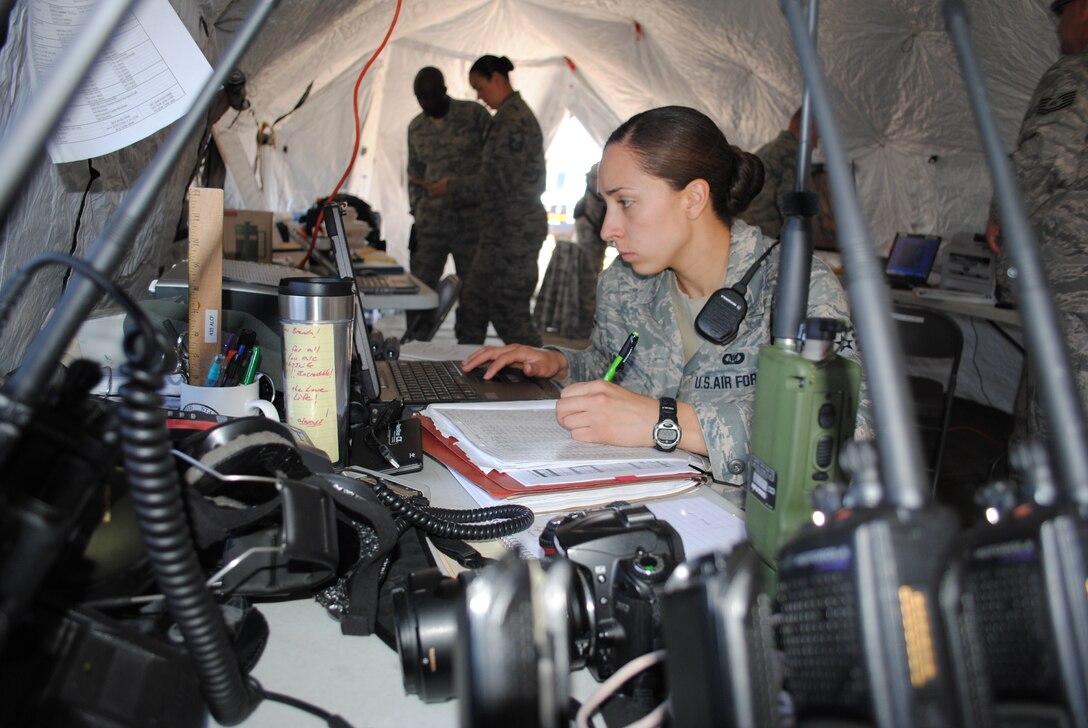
(148, 76)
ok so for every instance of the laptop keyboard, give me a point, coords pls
(431, 381)
(377, 284)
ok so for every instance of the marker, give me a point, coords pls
(213, 371)
(251, 366)
(624, 355)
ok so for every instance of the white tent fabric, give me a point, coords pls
(898, 95)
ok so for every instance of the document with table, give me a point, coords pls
(518, 452)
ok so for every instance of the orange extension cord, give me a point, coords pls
(355, 150)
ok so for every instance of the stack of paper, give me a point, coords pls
(518, 452)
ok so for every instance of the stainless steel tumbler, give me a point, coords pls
(316, 317)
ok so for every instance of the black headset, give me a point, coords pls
(721, 316)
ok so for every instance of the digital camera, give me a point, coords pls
(512, 632)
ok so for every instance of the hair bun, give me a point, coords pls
(748, 176)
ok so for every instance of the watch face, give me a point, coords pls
(666, 433)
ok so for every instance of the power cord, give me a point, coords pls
(334, 721)
(358, 130)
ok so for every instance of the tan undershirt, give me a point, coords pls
(686, 310)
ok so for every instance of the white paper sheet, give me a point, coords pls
(147, 77)
(520, 435)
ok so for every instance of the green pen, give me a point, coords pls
(251, 366)
(624, 355)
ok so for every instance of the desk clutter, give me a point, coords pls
(618, 563)
(662, 602)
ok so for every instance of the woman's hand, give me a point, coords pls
(604, 412)
(534, 362)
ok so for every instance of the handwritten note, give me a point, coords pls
(309, 367)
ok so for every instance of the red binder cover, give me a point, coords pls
(500, 485)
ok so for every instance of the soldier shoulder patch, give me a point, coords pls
(1055, 103)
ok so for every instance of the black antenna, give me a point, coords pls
(799, 207)
(901, 463)
(1061, 405)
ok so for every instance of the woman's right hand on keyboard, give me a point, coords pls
(534, 362)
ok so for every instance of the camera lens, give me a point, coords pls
(425, 615)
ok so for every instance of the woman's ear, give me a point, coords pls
(696, 197)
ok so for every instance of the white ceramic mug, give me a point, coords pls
(243, 400)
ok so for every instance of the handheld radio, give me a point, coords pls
(806, 404)
(1025, 573)
(806, 395)
(860, 589)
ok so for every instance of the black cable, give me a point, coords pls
(156, 495)
(464, 524)
(974, 363)
(334, 721)
(22, 276)
(95, 174)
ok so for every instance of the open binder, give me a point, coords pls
(504, 486)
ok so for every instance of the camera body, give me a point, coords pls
(622, 556)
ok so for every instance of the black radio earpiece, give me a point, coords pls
(720, 318)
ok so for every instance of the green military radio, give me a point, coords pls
(805, 409)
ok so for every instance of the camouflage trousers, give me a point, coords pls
(499, 289)
(1030, 421)
(428, 261)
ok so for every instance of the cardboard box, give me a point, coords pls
(247, 235)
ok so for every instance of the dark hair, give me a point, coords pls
(679, 144)
(487, 66)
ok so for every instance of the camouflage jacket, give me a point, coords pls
(779, 157)
(1050, 147)
(719, 382)
(511, 176)
(446, 147)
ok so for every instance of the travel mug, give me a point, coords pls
(316, 316)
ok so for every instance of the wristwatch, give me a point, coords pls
(667, 429)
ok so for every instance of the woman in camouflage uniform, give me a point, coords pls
(673, 185)
(508, 185)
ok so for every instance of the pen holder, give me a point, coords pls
(243, 400)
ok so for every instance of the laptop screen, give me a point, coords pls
(334, 226)
(912, 257)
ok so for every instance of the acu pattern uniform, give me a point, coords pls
(1051, 164)
(779, 157)
(508, 184)
(437, 148)
(718, 381)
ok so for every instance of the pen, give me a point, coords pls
(251, 366)
(620, 358)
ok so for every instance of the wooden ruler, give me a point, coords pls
(205, 279)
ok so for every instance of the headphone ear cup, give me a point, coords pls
(721, 316)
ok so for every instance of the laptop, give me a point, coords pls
(911, 259)
(386, 284)
(420, 383)
(369, 282)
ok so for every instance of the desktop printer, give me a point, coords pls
(247, 286)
